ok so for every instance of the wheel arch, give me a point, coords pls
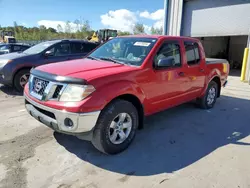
(137, 103)
(17, 71)
(216, 79)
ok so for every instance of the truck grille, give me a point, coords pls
(57, 91)
(39, 86)
(44, 89)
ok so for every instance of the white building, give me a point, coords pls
(223, 26)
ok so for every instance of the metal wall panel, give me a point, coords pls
(174, 11)
(216, 18)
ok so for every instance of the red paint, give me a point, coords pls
(156, 89)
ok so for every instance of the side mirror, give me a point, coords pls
(48, 53)
(165, 62)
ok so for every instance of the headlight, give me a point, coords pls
(4, 61)
(74, 93)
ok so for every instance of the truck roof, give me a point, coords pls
(160, 36)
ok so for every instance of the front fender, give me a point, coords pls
(106, 93)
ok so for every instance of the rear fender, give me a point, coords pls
(214, 73)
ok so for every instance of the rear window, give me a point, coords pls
(25, 48)
(192, 53)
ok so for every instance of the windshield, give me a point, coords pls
(112, 33)
(4, 47)
(11, 40)
(39, 47)
(131, 51)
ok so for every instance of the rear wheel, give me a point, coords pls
(209, 99)
(116, 127)
(21, 78)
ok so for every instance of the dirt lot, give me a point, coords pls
(182, 147)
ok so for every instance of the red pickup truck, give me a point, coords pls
(105, 96)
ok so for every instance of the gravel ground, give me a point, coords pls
(181, 147)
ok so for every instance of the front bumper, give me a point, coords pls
(55, 119)
(3, 79)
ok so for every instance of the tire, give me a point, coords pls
(17, 79)
(204, 102)
(101, 134)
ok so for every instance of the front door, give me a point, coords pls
(170, 83)
(59, 52)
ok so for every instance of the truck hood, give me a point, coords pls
(85, 68)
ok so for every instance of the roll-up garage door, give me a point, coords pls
(216, 18)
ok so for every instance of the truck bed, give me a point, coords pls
(215, 61)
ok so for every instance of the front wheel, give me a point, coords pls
(209, 99)
(116, 127)
(21, 78)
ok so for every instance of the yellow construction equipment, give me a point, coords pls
(103, 35)
(7, 37)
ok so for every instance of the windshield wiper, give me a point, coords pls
(93, 58)
(111, 59)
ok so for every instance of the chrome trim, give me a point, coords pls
(83, 122)
(49, 90)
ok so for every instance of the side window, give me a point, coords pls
(60, 49)
(169, 50)
(16, 48)
(24, 48)
(4, 47)
(192, 53)
(77, 47)
(88, 47)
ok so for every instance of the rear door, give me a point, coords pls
(195, 67)
(80, 49)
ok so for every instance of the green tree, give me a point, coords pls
(156, 31)
(82, 30)
(123, 33)
(77, 22)
(59, 28)
(138, 29)
(51, 30)
(67, 27)
(43, 32)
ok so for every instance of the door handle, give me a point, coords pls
(181, 74)
(202, 70)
